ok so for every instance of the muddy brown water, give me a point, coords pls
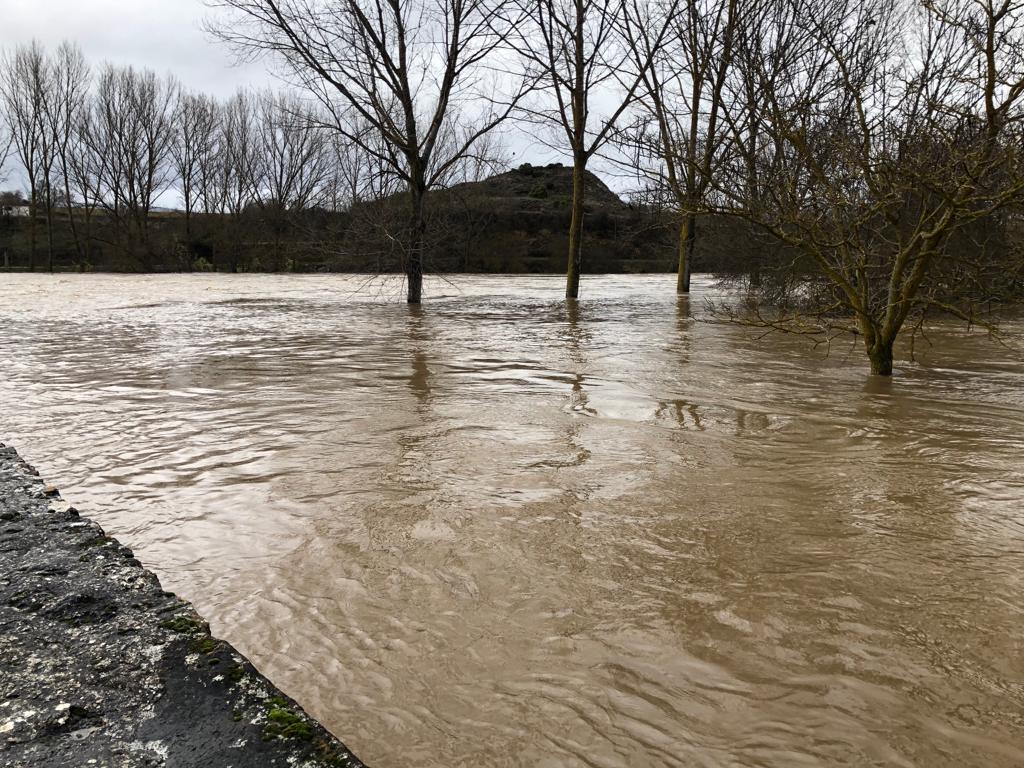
(495, 531)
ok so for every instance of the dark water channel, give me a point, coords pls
(499, 532)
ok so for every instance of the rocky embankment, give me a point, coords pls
(99, 666)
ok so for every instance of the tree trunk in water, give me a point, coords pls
(572, 278)
(687, 239)
(880, 355)
(414, 257)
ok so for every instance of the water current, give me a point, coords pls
(502, 531)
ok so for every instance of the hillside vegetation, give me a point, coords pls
(513, 222)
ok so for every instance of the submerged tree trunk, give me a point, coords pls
(687, 240)
(572, 277)
(414, 254)
(880, 355)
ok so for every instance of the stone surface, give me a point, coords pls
(99, 666)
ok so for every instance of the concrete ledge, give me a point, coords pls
(99, 666)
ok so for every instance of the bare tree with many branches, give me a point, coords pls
(66, 108)
(196, 121)
(678, 140)
(239, 167)
(296, 163)
(391, 74)
(897, 128)
(579, 52)
(23, 87)
(133, 135)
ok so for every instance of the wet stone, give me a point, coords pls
(100, 667)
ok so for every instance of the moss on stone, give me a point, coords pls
(282, 723)
(183, 625)
(205, 645)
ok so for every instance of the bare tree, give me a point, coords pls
(898, 129)
(679, 139)
(239, 168)
(133, 133)
(364, 187)
(294, 147)
(208, 165)
(66, 106)
(43, 80)
(348, 174)
(23, 85)
(580, 53)
(771, 45)
(195, 140)
(369, 177)
(391, 73)
(84, 176)
(295, 164)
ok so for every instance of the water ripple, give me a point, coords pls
(500, 531)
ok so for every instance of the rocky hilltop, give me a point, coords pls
(530, 185)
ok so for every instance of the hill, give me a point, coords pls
(518, 221)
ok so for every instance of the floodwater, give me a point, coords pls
(497, 531)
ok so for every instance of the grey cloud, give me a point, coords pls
(163, 35)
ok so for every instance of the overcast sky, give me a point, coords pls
(164, 35)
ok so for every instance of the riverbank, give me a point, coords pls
(99, 666)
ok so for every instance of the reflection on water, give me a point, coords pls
(503, 530)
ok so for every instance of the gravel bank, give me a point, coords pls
(99, 666)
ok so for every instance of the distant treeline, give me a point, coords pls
(263, 181)
(856, 166)
(514, 222)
